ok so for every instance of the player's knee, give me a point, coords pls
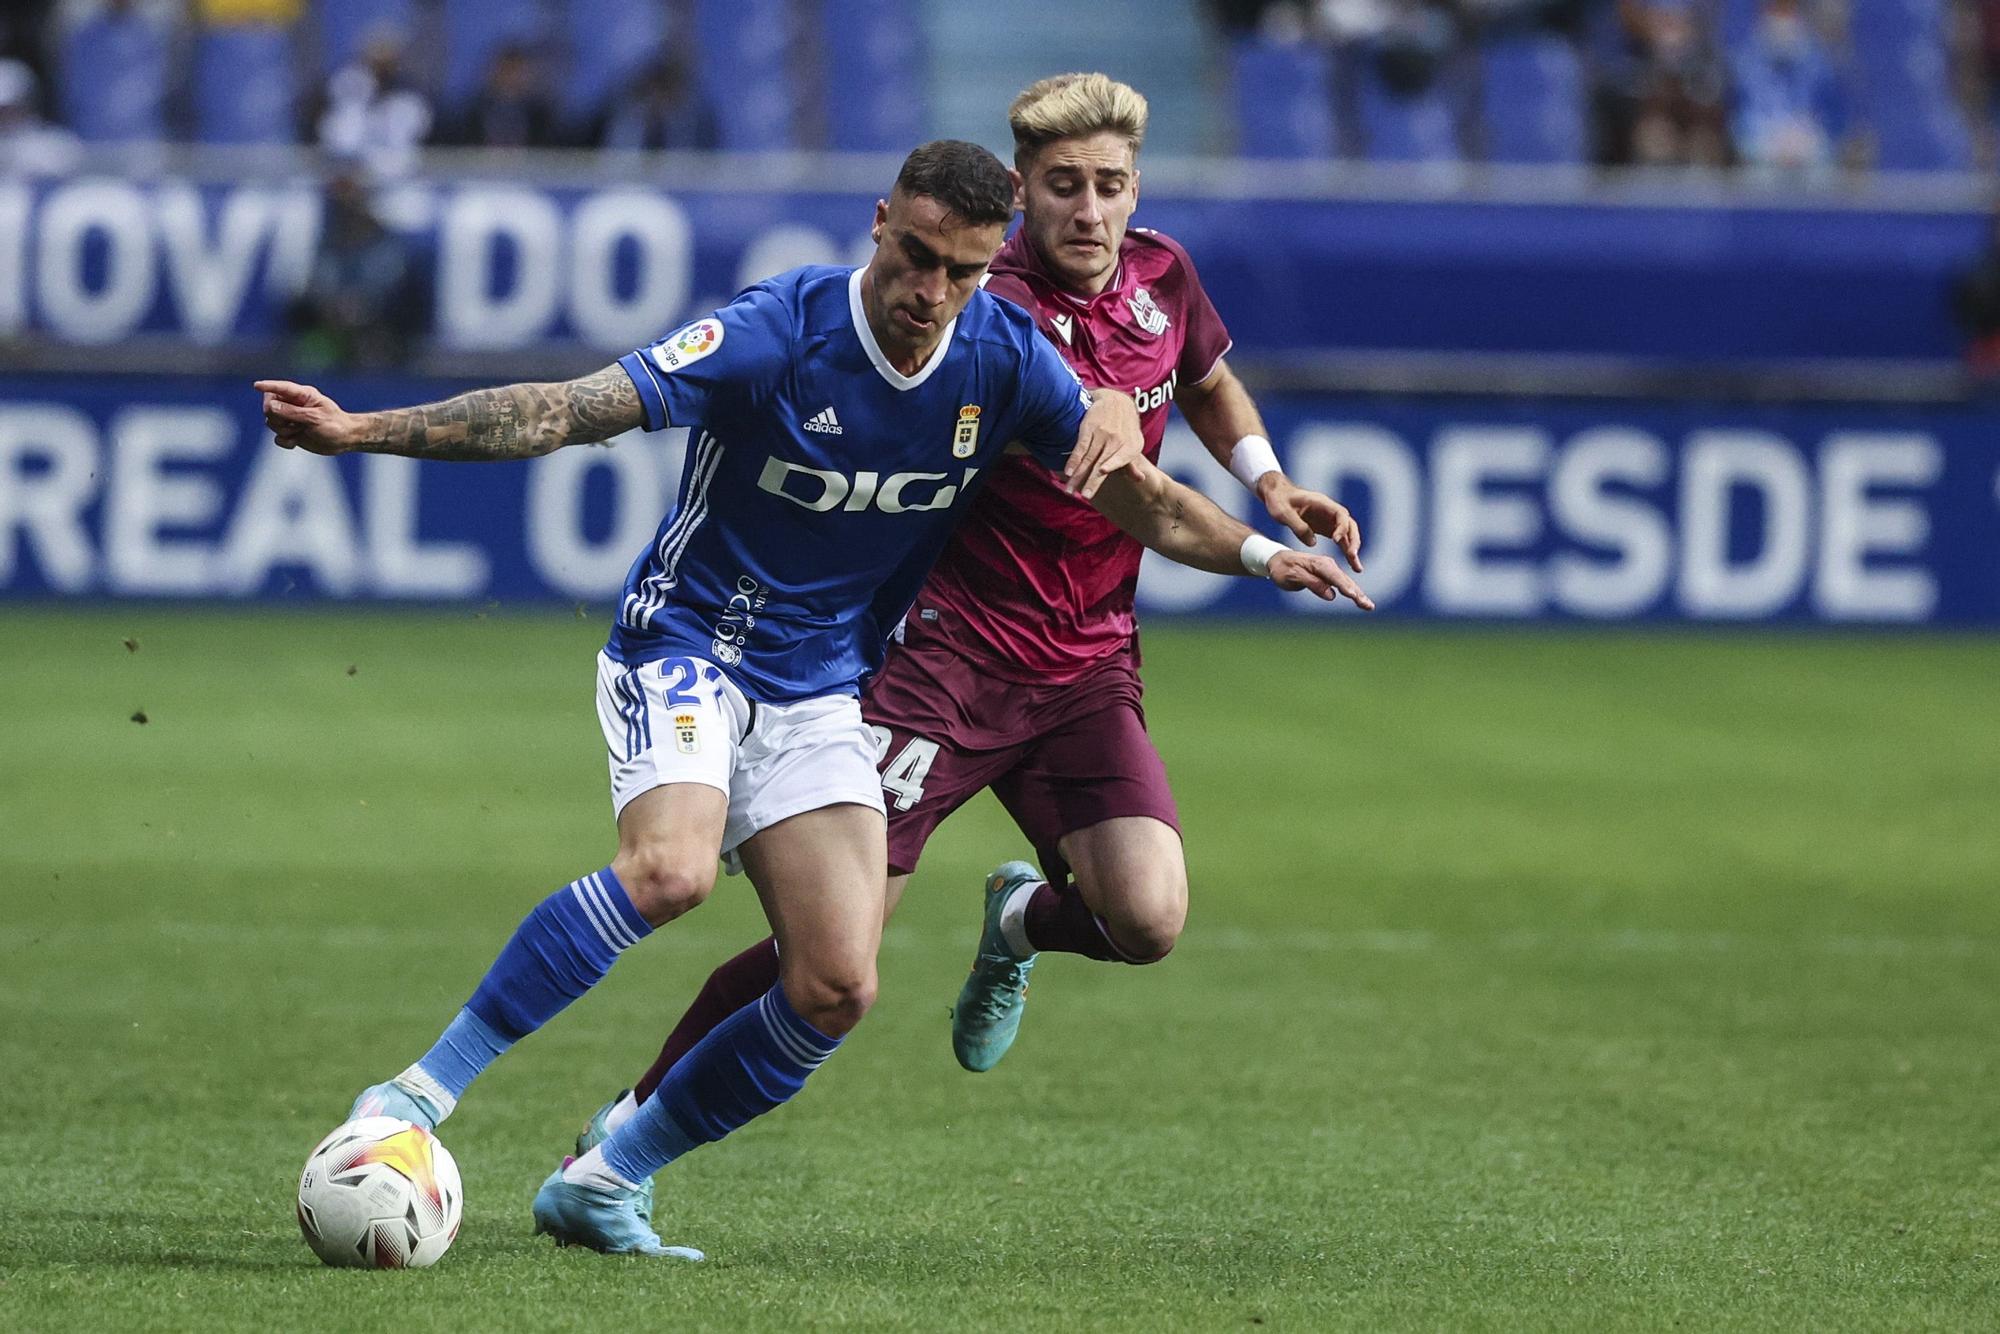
(662, 885)
(832, 999)
(1146, 921)
(1148, 939)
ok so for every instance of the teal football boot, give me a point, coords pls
(400, 1099)
(595, 1133)
(988, 1013)
(603, 1220)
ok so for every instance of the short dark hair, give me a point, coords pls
(969, 181)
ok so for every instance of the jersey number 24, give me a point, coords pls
(903, 777)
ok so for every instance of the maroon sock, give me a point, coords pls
(728, 989)
(1058, 919)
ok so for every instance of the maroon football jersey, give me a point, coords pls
(1036, 584)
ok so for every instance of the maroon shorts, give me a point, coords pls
(1059, 757)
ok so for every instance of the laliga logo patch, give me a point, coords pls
(1151, 318)
(687, 740)
(678, 351)
(965, 438)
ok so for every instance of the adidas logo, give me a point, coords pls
(824, 422)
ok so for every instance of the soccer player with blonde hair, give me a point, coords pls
(1016, 668)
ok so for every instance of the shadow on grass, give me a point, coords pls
(41, 1237)
(51, 1241)
(304, 1262)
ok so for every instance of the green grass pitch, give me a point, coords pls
(1533, 981)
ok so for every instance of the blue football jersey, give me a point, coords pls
(820, 483)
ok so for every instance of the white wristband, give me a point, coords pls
(1251, 459)
(1257, 552)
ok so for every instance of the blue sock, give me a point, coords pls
(561, 950)
(467, 1047)
(751, 1061)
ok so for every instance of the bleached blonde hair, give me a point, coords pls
(1072, 106)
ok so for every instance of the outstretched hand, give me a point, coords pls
(301, 417)
(1311, 515)
(1109, 439)
(1321, 576)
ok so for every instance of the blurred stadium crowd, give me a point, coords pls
(377, 80)
(1801, 87)
(1794, 86)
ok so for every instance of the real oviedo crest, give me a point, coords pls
(965, 438)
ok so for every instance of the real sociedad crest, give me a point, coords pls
(1151, 318)
(965, 439)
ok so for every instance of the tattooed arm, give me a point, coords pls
(516, 421)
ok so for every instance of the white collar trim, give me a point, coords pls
(896, 379)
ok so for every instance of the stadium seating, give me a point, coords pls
(744, 52)
(1918, 126)
(344, 26)
(116, 78)
(1284, 101)
(244, 86)
(1397, 127)
(1899, 52)
(875, 75)
(1899, 69)
(1738, 19)
(873, 54)
(609, 41)
(1532, 101)
(475, 29)
(982, 53)
(1879, 23)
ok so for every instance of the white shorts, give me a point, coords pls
(682, 720)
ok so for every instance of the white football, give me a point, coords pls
(380, 1193)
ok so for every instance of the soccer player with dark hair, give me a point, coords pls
(1017, 667)
(841, 421)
